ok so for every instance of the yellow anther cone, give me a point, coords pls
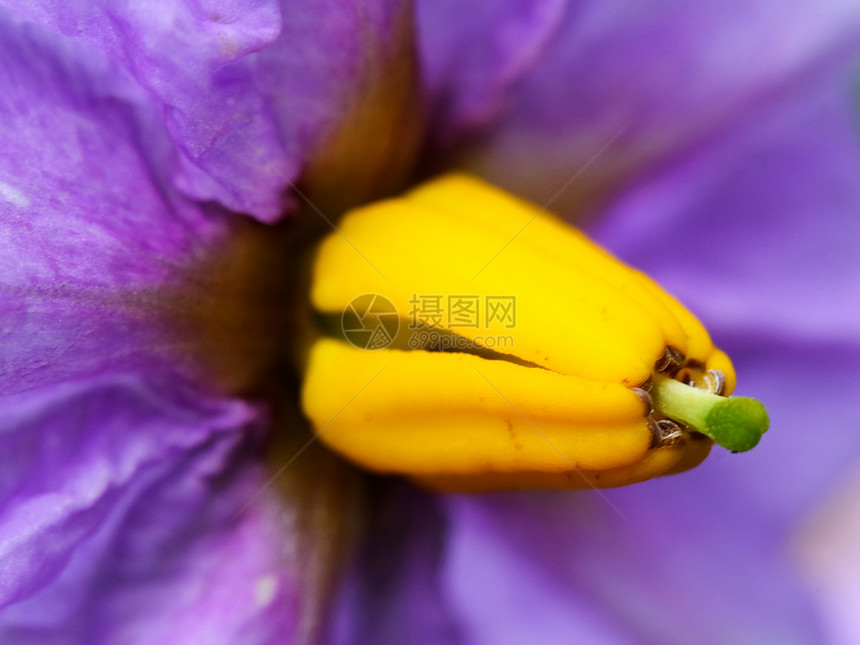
(547, 337)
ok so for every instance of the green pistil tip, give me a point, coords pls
(736, 423)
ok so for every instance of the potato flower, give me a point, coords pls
(166, 170)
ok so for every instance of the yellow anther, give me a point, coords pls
(519, 355)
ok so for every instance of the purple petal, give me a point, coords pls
(393, 593)
(119, 499)
(765, 216)
(659, 77)
(91, 228)
(658, 573)
(471, 58)
(827, 549)
(105, 267)
(120, 483)
(756, 230)
(248, 90)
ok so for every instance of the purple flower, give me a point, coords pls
(157, 162)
